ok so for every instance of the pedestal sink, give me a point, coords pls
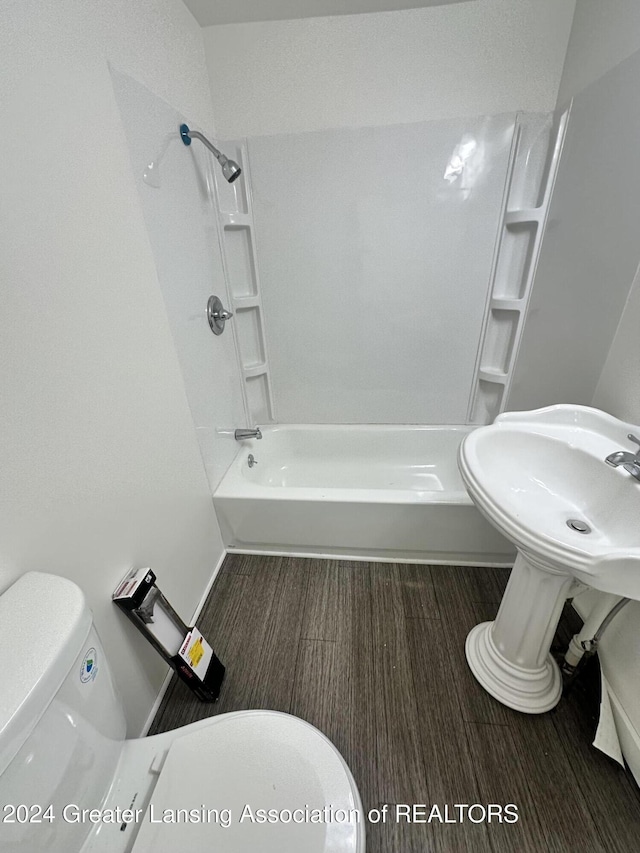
(541, 479)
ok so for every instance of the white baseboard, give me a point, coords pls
(628, 735)
(156, 705)
(205, 594)
(377, 556)
(167, 680)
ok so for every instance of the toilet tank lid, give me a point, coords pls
(44, 620)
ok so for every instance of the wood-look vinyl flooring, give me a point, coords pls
(372, 654)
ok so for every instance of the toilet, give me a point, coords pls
(70, 781)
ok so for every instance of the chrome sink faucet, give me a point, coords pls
(629, 461)
(241, 434)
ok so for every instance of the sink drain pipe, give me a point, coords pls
(585, 644)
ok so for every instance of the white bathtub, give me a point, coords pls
(363, 492)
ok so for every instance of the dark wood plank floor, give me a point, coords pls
(373, 655)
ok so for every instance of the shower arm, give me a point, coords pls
(194, 134)
(230, 169)
(187, 135)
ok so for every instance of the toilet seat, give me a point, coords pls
(248, 761)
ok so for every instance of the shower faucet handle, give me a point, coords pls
(222, 315)
(217, 315)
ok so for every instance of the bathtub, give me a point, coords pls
(358, 492)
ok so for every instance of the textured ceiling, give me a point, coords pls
(208, 12)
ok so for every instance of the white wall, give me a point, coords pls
(618, 389)
(618, 392)
(100, 464)
(602, 35)
(483, 57)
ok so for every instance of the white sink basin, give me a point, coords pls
(530, 473)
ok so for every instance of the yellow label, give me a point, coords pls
(196, 652)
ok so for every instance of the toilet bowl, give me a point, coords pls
(70, 781)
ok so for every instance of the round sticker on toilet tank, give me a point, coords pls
(89, 668)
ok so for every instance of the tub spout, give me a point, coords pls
(241, 434)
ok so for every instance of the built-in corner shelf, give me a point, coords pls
(236, 220)
(500, 303)
(245, 303)
(492, 374)
(237, 238)
(526, 216)
(532, 170)
(253, 371)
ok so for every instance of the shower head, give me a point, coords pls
(230, 168)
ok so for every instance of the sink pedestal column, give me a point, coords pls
(510, 657)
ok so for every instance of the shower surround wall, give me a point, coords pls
(363, 85)
(377, 271)
(178, 198)
(590, 249)
(375, 248)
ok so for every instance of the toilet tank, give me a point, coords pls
(62, 725)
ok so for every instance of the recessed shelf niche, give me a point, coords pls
(249, 331)
(259, 399)
(240, 262)
(235, 218)
(499, 341)
(514, 260)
